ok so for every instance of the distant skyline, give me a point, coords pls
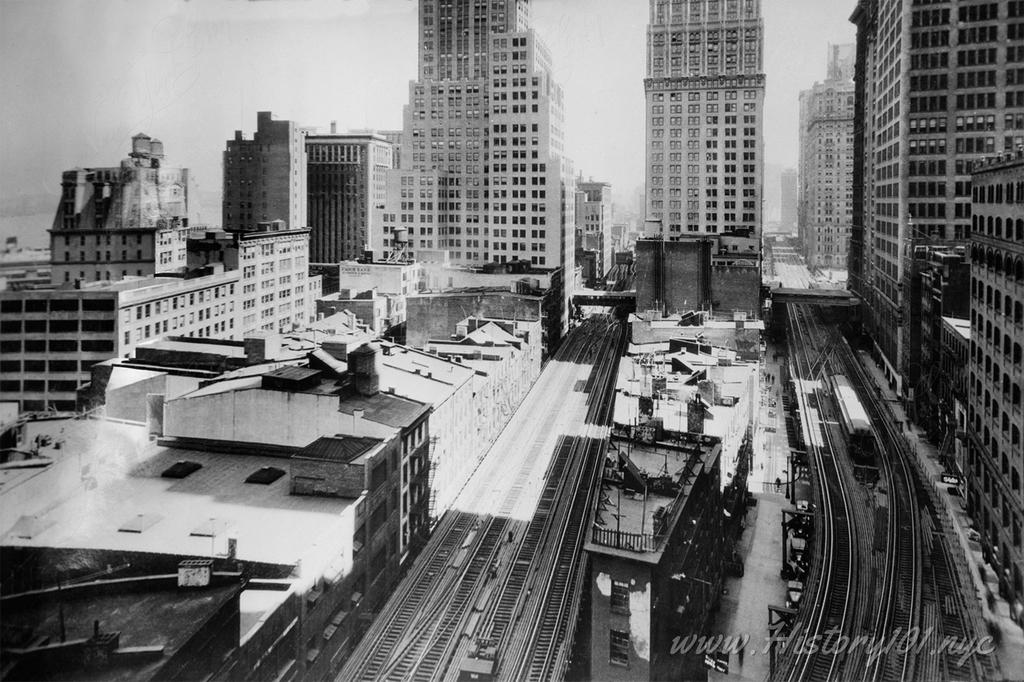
(80, 77)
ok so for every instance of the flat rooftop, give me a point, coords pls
(163, 616)
(644, 519)
(128, 505)
(960, 326)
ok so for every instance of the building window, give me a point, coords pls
(618, 647)
(620, 596)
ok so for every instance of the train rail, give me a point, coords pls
(900, 606)
(496, 577)
(826, 610)
(946, 611)
(919, 584)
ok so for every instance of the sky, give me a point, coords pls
(80, 77)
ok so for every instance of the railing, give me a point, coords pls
(632, 542)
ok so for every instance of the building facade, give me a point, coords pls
(826, 165)
(655, 549)
(116, 222)
(594, 222)
(943, 286)
(265, 177)
(347, 186)
(278, 294)
(954, 370)
(788, 200)
(995, 460)
(705, 98)
(937, 88)
(483, 173)
(51, 338)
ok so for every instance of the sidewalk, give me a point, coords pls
(744, 605)
(1010, 652)
(771, 448)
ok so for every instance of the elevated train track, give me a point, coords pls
(499, 581)
(915, 583)
(827, 606)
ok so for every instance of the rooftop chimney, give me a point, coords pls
(695, 415)
(364, 365)
(194, 572)
(334, 127)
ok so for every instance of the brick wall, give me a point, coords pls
(331, 479)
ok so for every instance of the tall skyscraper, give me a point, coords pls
(705, 97)
(788, 200)
(705, 161)
(346, 181)
(938, 87)
(826, 164)
(127, 220)
(265, 177)
(483, 174)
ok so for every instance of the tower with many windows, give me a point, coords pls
(826, 165)
(483, 175)
(939, 86)
(705, 101)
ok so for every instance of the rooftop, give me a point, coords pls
(340, 449)
(960, 326)
(385, 408)
(1000, 161)
(421, 376)
(160, 615)
(463, 291)
(644, 490)
(123, 501)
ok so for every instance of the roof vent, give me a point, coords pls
(139, 523)
(181, 469)
(265, 475)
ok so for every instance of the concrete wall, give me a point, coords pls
(736, 289)
(129, 401)
(637, 621)
(682, 267)
(435, 317)
(244, 415)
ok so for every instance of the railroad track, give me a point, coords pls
(546, 650)
(454, 592)
(826, 608)
(900, 607)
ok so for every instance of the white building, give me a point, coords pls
(483, 173)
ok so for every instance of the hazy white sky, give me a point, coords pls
(79, 77)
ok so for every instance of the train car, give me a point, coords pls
(854, 419)
(803, 496)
